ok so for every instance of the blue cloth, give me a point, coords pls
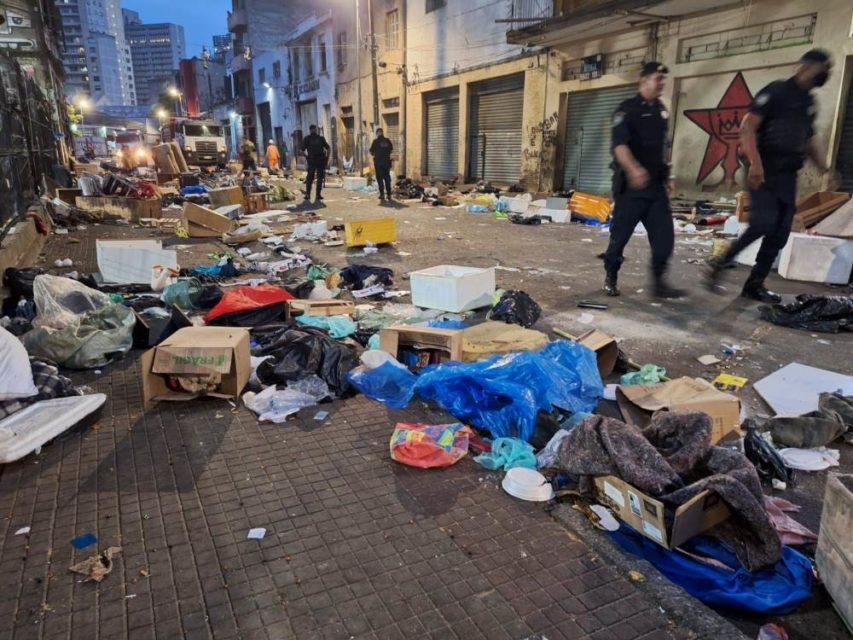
(773, 591)
(447, 324)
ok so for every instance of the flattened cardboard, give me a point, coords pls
(321, 308)
(225, 196)
(447, 340)
(638, 402)
(202, 222)
(648, 516)
(489, 338)
(605, 347)
(198, 350)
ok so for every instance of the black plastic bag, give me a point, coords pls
(516, 307)
(209, 297)
(765, 457)
(299, 288)
(355, 275)
(828, 314)
(299, 351)
(20, 281)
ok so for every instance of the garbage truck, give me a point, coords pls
(202, 141)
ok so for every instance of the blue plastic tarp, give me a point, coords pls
(388, 383)
(773, 591)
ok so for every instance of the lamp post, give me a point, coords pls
(175, 93)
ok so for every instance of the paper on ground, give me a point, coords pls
(257, 533)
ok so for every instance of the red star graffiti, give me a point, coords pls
(722, 124)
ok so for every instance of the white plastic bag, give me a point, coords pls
(16, 375)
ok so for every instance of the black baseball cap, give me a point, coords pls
(650, 68)
(818, 56)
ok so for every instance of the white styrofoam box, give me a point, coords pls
(556, 215)
(28, 429)
(817, 259)
(354, 183)
(556, 203)
(518, 205)
(452, 288)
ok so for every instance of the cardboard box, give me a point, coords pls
(448, 341)
(130, 209)
(811, 258)
(489, 338)
(197, 351)
(834, 557)
(201, 222)
(225, 196)
(69, 196)
(377, 231)
(605, 347)
(638, 402)
(321, 308)
(256, 203)
(648, 515)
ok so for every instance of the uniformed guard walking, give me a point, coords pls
(316, 151)
(641, 174)
(777, 135)
(381, 150)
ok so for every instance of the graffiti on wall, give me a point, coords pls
(722, 124)
(544, 132)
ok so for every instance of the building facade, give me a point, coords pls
(156, 50)
(221, 45)
(95, 53)
(203, 86)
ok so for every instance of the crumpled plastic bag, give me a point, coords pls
(337, 326)
(829, 314)
(506, 454)
(516, 307)
(183, 294)
(429, 446)
(277, 405)
(388, 383)
(98, 567)
(648, 374)
(16, 375)
(77, 327)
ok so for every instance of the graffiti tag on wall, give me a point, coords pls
(722, 124)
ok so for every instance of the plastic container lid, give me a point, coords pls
(527, 484)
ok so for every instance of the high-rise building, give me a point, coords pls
(221, 45)
(95, 54)
(157, 50)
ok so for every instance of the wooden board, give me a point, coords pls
(130, 209)
(816, 207)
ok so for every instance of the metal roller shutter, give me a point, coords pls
(494, 149)
(845, 146)
(589, 119)
(392, 129)
(441, 139)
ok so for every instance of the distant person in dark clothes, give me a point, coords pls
(641, 174)
(316, 151)
(381, 150)
(777, 135)
(249, 155)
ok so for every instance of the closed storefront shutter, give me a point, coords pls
(441, 138)
(845, 146)
(392, 129)
(494, 149)
(589, 120)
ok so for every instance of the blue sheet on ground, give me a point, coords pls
(774, 591)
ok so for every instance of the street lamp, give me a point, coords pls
(82, 104)
(173, 91)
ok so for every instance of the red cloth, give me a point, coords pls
(247, 298)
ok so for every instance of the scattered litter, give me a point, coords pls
(730, 349)
(779, 485)
(97, 567)
(23, 531)
(610, 392)
(589, 304)
(728, 382)
(85, 540)
(772, 632)
(606, 520)
(648, 374)
(636, 576)
(321, 415)
(794, 389)
(708, 360)
(374, 290)
(67, 262)
(256, 534)
(429, 446)
(527, 484)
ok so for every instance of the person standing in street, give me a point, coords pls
(777, 135)
(316, 151)
(641, 175)
(249, 155)
(273, 157)
(381, 150)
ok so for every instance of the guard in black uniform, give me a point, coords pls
(381, 151)
(777, 135)
(640, 177)
(316, 151)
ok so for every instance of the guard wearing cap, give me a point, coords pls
(640, 177)
(777, 135)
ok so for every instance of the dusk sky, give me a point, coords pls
(201, 19)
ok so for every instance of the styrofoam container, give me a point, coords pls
(452, 288)
(518, 205)
(354, 183)
(556, 203)
(527, 484)
(556, 215)
(817, 259)
(30, 428)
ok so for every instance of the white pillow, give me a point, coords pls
(16, 376)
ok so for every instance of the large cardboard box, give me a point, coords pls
(448, 341)
(198, 351)
(834, 557)
(131, 209)
(378, 231)
(638, 402)
(605, 347)
(225, 196)
(201, 222)
(649, 517)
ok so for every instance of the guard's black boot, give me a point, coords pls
(610, 285)
(755, 290)
(713, 271)
(660, 289)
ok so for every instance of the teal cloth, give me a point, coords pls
(337, 326)
(508, 453)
